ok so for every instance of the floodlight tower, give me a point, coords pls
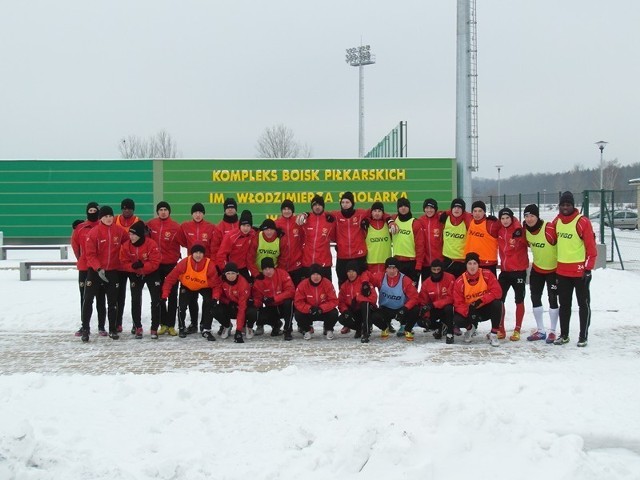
(359, 57)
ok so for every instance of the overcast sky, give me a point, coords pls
(555, 76)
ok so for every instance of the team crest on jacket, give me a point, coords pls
(436, 232)
(116, 239)
(325, 232)
(323, 297)
(205, 236)
(167, 235)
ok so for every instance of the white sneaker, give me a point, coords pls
(226, 331)
(307, 335)
(468, 334)
(493, 339)
(259, 330)
(329, 334)
(248, 332)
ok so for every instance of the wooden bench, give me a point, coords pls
(64, 249)
(25, 267)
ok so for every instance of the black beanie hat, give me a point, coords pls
(349, 196)
(403, 202)
(268, 223)
(479, 204)
(138, 228)
(76, 223)
(352, 265)
(231, 267)
(567, 197)
(532, 209)
(377, 206)
(197, 248)
(287, 204)
(230, 203)
(391, 262)
(267, 262)
(92, 205)
(472, 256)
(458, 202)
(430, 202)
(163, 204)
(246, 218)
(127, 203)
(197, 207)
(317, 199)
(437, 263)
(505, 211)
(315, 268)
(104, 211)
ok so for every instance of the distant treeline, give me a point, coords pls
(615, 177)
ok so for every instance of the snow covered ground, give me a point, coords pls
(191, 409)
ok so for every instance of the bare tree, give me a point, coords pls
(279, 141)
(610, 174)
(160, 145)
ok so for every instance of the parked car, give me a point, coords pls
(624, 218)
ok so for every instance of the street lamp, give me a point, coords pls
(499, 167)
(359, 57)
(601, 144)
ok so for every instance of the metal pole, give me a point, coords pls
(601, 165)
(361, 119)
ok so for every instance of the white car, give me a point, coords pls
(624, 218)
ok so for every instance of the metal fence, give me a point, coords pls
(622, 246)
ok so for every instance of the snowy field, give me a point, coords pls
(190, 409)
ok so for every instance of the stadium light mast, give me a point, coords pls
(359, 57)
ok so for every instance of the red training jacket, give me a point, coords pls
(148, 253)
(279, 287)
(103, 246)
(309, 295)
(165, 233)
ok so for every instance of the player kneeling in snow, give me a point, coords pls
(316, 300)
(357, 301)
(197, 276)
(476, 298)
(272, 293)
(231, 294)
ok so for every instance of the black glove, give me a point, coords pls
(280, 232)
(347, 316)
(137, 264)
(364, 224)
(330, 218)
(493, 218)
(315, 311)
(443, 217)
(268, 300)
(473, 312)
(401, 314)
(476, 304)
(103, 275)
(586, 276)
(365, 290)
(517, 233)
(424, 309)
(214, 302)
(260, 276)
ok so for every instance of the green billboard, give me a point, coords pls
(260, 185)
(39, 199)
